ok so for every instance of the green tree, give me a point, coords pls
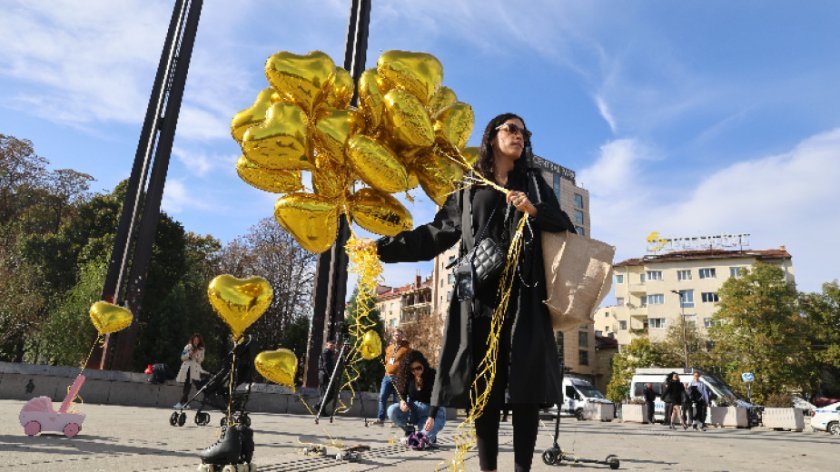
(758, 328)
(639, 353)
(823, 314)
(673, 347)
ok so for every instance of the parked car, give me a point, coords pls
(820, 402)
(807, 407)
(578, 393)
(827, 419)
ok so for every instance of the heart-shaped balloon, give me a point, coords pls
(444, 97)
(433, 177)
(379, 212)
(417, 72)
(455, 124)
(109, 318)
(330, 179)
(371, 101)
(376, 164)
(311, 219)
(277, 366)
(251, 116)
(331, 133)
(371, 345)
(407, 119)
(300, 78)
(338, 90)
(279, 142)
(239, 302)
(270, 180)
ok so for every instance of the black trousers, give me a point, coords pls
(688, 414)
(525, 425)
(700, 412)
(650, 410)
(327, 398)
(669, 409)
(187, 385)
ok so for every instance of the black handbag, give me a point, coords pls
(481, 263)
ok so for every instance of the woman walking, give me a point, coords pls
(191, 358)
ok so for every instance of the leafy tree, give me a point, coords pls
(673, 348)
(758, 329)
(639, 353)
(823, 314)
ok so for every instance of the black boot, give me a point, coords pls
(226, 450)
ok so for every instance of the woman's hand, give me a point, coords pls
(430, 423)
(403, 406)
(520, 202)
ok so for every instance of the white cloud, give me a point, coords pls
(787, 199)
(604, 110)
(177, 198)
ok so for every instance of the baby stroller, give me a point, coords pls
(215, 390)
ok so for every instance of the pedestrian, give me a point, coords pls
(394, 354)
(687, 413)
(191, 358)
(650, 398)
(667, 397)
(700, 398)
(527, 371)
(675, 391)
(414, 381)
(326, 366)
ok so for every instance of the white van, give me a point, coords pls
(578, 395)
(718, 389)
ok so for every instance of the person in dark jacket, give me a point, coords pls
(668, 398)
(650, 399)
(675, 391)
(414, 382)
(326, 365)
(528, 373)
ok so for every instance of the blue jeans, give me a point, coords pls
(417, 413)
(386, 390)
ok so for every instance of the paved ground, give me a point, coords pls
(119, 438)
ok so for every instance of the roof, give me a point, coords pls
(706, 254)
(383, 292)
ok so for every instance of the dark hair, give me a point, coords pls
(405, 370)
(484, 164)
(200, 340)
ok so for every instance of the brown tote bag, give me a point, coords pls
(578, 275)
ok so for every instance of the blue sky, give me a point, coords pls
(688, 118)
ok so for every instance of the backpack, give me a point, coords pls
(160, 374)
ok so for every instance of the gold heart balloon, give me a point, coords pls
(109, 318)
(277, 366)
(338, 91)
(417, 72)
(371, 345)
(455, 124)
(311, 219)
(371, 101)
(376, 164)
(330, 180)
(239, 302)
(433, 177)
(279, 142)
(251, 116)
(441, 99)
(299, 78)
(270, 180)
(407, 119)
(331, 133)
(379, 213)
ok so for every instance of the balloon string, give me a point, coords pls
(482, 384)
(230, 384)
(100, 339)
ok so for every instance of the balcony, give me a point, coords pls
(637, 288)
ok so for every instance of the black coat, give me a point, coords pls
(528, 350)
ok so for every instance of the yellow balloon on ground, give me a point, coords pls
(239, 302)
(311, 219)
(279, 142)
(371, 101)
(455, 124)
(277, 366)
(299, 78)
(331, 132)
(376, 164)
(379, 213)
(269, 180)
(441, 99)
(417, 72)
(407, 119)
(371, 345)
(109, 318)
(251, 116)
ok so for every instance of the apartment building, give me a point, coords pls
(408, 303)
(653, 292)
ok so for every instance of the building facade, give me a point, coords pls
(655, 291)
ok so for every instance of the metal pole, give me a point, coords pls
(684, 332)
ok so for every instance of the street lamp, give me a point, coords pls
(682, 317)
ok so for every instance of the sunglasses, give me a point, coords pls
(513, 128)
(417, 368)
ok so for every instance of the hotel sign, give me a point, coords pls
(656, 243)
(545, 164)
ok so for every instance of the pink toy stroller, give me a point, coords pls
(37, 415)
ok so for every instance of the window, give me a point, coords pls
(643, 300)
(708, 273)
(578, 217)
(642, 278)
(579, 200)
(656, 299)
(691, 320)
(583, 357)
(619, 278)
(619, 301)
(393, 322)
(580, 230)
(707, 322)
(687, 298)
(556, 185)
(737, 271)
(441, 282)
(656, 323)
(449, 295)
(451, 278)
(683, 275)
(622, 325)
(654, 275)
(583, 339)
(709, 297)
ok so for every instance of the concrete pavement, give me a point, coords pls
(122, 438)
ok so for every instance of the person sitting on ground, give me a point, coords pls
(414, 383)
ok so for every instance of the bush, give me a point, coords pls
(779, 400)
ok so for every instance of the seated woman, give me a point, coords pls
(414, 384)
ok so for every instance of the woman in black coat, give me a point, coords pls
(528, 372)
